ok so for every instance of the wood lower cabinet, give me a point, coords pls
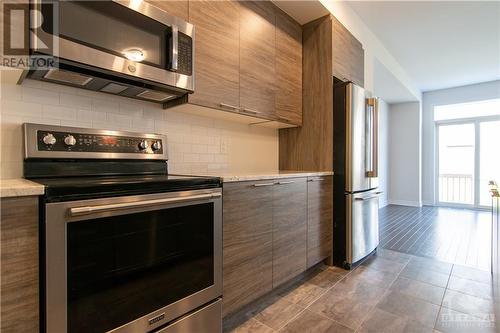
(257, 58)
(19, 274)
(248, 243)
(273, 231)
(289, 229)
(319, 219)
(217, 62)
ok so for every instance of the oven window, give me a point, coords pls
(123, 267)
(112, 28)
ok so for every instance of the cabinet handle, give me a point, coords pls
(229, 106)
(252, 111)
(317, 180)
(284, 183)
(263, 184)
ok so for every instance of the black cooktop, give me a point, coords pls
(90, 187)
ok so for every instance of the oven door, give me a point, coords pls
(125, 37)
(131, 264)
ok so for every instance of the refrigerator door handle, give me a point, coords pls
(372, 104)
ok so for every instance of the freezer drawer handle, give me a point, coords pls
(284, 183)
(317, 180)
(77, 211)
(377, 194)
(263, 184)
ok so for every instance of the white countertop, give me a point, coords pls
(238, 177)
(20, 188)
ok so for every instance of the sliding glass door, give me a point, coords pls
(489, 158)
(468, 158)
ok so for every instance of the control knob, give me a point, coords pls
(70, 140)
(49, 139)
(156, 145)
(143, 145)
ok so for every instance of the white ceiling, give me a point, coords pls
(439, 44)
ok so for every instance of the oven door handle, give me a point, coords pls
(86, 210)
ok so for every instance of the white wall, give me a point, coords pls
(405, 154)
(196, 145)
(383, 151)
(374, 49)
(464, 94)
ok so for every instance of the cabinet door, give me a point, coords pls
(216, 53)
(341, 50)
(247, 237)
(347, 55)
(357, 62)
(319, 219)
(288, 69)
(177, 8)
(19, 255)
(257, 57)
(289, 229)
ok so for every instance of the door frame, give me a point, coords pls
(476, 121)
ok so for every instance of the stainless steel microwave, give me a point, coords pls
(129, 48)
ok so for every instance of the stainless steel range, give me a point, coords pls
(126, 247)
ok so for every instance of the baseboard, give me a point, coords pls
(382, 204)
(428, 203)
(405, 203)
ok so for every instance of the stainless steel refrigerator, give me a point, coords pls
(355, 162)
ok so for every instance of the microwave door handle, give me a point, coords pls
(174, 56)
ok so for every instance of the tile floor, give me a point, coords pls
(390, 292)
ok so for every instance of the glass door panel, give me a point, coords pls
(489, 158)
(456, 164)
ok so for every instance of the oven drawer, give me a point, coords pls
(206, 319)
(149, 259)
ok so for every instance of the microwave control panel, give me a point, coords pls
(185, 56)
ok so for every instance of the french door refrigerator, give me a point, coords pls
(355, 161)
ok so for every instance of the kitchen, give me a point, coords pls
(182, 168)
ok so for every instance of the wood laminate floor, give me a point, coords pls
(390, 292)
(458, 236)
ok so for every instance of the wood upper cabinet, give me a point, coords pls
(347, 54)
(257, 57)
(217, 64)
(319, 218)
(288, 69)
(248, 60)
(19, 256)
(289, 229)
(247, 237)
(177, 8)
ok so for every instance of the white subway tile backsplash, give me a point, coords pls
(195, 144)
(41, 96)
(75, 101)
(105, 106)
(58, 112)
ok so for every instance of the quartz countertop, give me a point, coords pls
(20, 188)
(238, 177)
